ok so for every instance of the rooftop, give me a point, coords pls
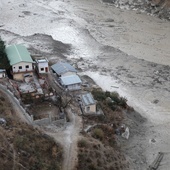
(61, 68)
(69, 80)
(88, 99)
(41, 60)
(18, 53)
(2, 70)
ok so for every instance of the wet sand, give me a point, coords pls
(115, 47)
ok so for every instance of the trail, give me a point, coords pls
(116, 46)
(68, 138)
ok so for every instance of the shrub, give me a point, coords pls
(99, 95)
(98, 133)
(123, 102)
(82, 143)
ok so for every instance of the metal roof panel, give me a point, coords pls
(18, 53)
(69, 80)
(88, 99)
(61, 68)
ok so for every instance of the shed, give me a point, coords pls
(2, 73)
(20, 60)
(42, 65)
(71, 82)
(63, 69)
(88, 103)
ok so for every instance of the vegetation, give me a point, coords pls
(82, 143)
(98, 150)
(112, 99)
(98, 133)
(4, 62)
(24, 147)
(95, 156)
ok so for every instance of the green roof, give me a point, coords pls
(18, 53)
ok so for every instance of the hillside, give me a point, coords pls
(24, 147)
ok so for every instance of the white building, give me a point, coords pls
(20, 61)
(2, 73)
(88, 103)
(42, 65)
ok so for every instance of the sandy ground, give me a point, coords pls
(117, 48)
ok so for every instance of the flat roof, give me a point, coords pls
(69, 80)
(18, 53)
(41, 60)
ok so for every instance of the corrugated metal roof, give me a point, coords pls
(69, 80)
(88, 99)
(61, 68)
(18, 53)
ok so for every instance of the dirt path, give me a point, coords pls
(96, 32)
(68, 138)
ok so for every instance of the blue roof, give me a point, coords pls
(61, 68)
(88, 99)
(69, 80)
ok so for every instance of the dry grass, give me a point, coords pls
(96, 156)
(24, 147)
(98, 150)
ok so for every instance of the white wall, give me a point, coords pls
(2, 75)
(42, 65)
(16, 69)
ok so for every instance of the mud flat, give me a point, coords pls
(117, 48)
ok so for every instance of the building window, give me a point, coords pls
(42, 69)
(27, 66)
(88, 108)
(20, 67)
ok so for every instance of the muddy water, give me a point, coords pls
(118, 48)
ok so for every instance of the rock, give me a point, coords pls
(126, 133)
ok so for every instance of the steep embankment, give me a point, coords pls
(21, 145)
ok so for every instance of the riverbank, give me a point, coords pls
(115, 47)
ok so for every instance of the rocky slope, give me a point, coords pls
(159, 8)
(23, 146)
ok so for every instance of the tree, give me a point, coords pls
(63, 100)
(4, 62)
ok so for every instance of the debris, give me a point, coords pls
(2, 121)
(126, 133)
(153, 140)
(156, 101)
(156, 162)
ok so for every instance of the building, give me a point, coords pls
(71, 82)
(42, 66)
(88, 103)
(63, 69)
(20, 61)
(2, 73)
